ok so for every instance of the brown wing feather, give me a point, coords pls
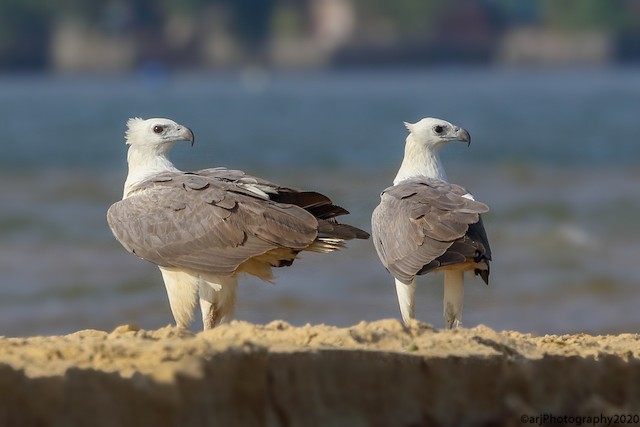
(423, 224)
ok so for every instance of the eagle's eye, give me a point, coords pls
(158, 129)
(438, 129)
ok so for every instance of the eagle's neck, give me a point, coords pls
(145, 162)
(420, 161)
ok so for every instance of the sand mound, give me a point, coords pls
(377, 373)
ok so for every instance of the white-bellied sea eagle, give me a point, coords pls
(423, 223)
(204, 228)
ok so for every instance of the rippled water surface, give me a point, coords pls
(555, 155)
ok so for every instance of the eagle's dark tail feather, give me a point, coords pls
(325, 211)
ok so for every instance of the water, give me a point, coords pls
(554, 154)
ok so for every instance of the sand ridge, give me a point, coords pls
(166, 351)
(370, 374)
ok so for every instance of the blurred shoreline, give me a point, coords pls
(153, 37)
(75, 51)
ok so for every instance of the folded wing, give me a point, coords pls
(216, 219)
(423, 223)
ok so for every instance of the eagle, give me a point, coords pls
(204, 228)
(424, 223)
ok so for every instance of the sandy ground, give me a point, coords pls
(378, 373)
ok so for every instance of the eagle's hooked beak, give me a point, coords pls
(463, 135)
(186, 134)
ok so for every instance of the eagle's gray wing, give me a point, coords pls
(210, 221)
(317, 204)
(423, 223)
(191, 221)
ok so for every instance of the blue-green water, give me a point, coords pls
(555, 155)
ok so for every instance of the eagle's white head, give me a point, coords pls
(156, 132)
(149, 143)
(434, 133)
(425, 139)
